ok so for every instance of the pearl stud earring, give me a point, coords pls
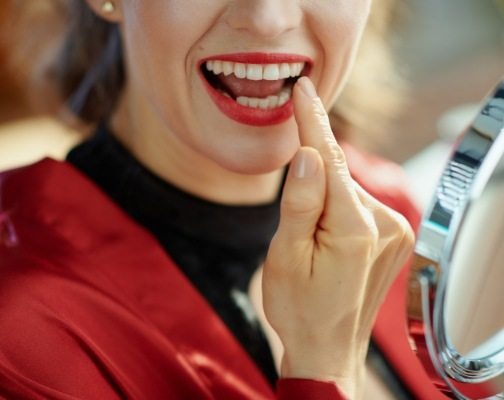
(108, 7)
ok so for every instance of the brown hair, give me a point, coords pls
(88, 72)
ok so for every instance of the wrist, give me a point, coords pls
(302, 389)
(344, 368)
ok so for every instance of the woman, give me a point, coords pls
(189, 160)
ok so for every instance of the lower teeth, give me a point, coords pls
(266, 103)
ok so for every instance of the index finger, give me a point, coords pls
(315, 131)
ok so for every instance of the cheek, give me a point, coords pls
(165, 32)
(159, 36)
(154, 38)
(338, 26)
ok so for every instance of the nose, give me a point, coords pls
(264, 18)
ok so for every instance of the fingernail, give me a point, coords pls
(307, 86)
(305, 165)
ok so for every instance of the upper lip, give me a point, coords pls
(262, 58)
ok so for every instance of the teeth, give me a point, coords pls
(284, 97)
(256, 72)
(271, 72)
(285, 70)
(242, 100)
(217, 67)
(273, 101)
(264, 103)
(295, 69)
(268, 102)
(253, 102)
(240, 70)
(227, 68)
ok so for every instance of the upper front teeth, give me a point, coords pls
(256, 72)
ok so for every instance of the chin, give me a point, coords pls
(258, 162)
(263, 152)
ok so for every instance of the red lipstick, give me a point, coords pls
(248, 115)
(260, 58)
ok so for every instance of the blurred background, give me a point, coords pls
(450, 52)
(453, 54)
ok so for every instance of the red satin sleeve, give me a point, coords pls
(91, 307)
(307, 389)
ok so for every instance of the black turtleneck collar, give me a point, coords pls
(161, 205)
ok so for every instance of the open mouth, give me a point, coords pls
(256, 86)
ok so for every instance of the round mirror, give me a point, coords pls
(455, 312)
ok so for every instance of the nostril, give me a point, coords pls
(8, 235)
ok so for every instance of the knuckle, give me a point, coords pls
(320, 113)
(336, 161)
(367, 227)
(403, 237)
(335, 154)
(403, 229)
(408, 238)
(368, 236)
(394, 224)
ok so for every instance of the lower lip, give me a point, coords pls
(248, 115)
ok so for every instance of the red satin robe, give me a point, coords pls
(91, 307)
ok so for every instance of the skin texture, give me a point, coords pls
(337, 249)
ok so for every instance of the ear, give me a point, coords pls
(109, 10)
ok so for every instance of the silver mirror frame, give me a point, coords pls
(461, 184)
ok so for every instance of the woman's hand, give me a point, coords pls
(332, 260)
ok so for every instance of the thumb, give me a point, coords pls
(303, 198)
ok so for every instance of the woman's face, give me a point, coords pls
(218, 73)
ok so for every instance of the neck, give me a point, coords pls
(140, 130)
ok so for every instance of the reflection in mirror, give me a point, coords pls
(473, 318)
(474, 315)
